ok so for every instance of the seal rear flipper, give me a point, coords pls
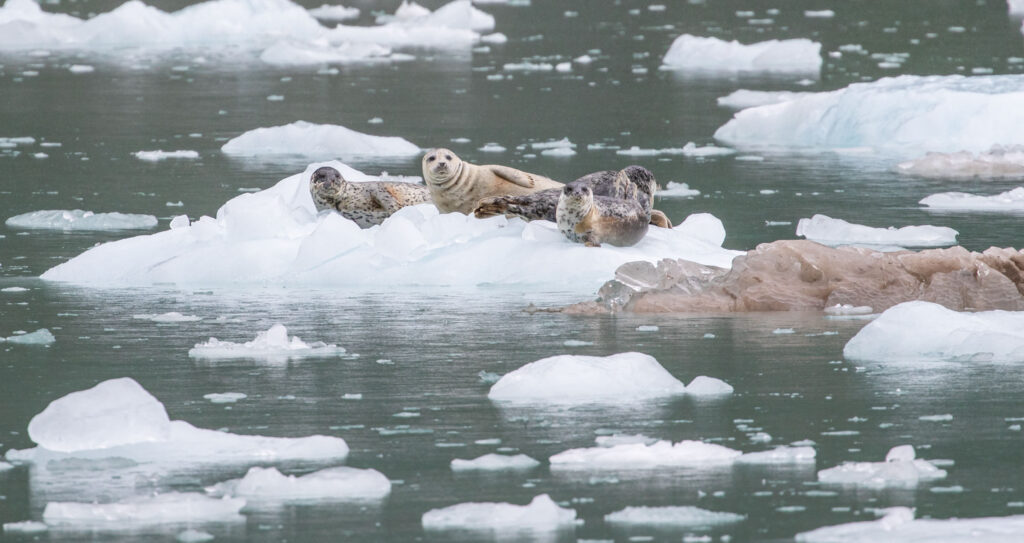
(659, 218)
(489, 207)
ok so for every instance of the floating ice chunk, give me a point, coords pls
(4, 466)
(317, 53)
(268, 344)
(172, 316)
(118, 418)
(563, 143)
(541, 515)
(339, 483)
(194, 536)
(497, 37)
(833, 232)
(647, 328)
(677, 190)
(708, 386)
(780, 455)
(225, 397)
(619, 378)
(997, 162)
(671, 517)
(25, 527)
(327, 12)
(492, 148)
(76, 219)
(81, 69)
(1016, 7)
(819, 14)
(156, 156)
(41, 336)
(495, 462)
(928, 332)
(643, 456)
(690, 150)
(712, 55)
(905, 114)
(408, 10)
(936, 418)
(900, 469)
(899, 526)
(744, 98)
(1009, 201)
(456, 24)
(848, 309)
(160, 509)
(576, 343)
(623, 439)
(528, 67)
(316, 140)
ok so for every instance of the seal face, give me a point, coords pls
(366, 203)
(456, 185)
(593, 220)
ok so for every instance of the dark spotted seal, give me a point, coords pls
(367, 203)
(458, 186)
(633, 182)
(593, 220)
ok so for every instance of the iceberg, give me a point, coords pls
(276, 237)
(929, 332)
(905, 114)
(568, 379)
(744, 98)
(900, 469)
(316, 140)
(330, 484)
(1011, 201)
(828, 231)
(712, 55)
(131, 513)
(671, 517)
(76, 219)
(899, 526)
(643, 456)
(996, 163)
(495, 462)
(271, 344)
(540, 515)
(42, 336)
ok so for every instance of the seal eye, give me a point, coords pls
(447, 157)
(431, 159)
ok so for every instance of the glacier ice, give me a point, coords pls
(929, 332)
(567, 379)
(495, 462)
(272, 343)
(323, 141)
(828, 231)
(542, 514)
(900, 469)
(1011, 201)
(706, 54)
(76, 219)
(331, 484)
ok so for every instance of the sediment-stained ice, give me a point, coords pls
(495, 462)
(900, 469)
(998, 162)
(323, 141)
(131, 513)
(685, 516)
(540, 515)
(271, 343)
(1011, 201)
(77, 219)
(828, 231)
(330, 484)
(706, 54)
(929, 332)
(276, 237)
(905, 114)
(899, 526)
(744, 98)
(567, 379)
(643, 456)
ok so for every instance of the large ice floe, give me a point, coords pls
(799, 275)
(320, 141)
(744, 98)
(495, 462)
(330, 484)
(997, 162)
(221, 26)
(905, 114)
(898, 525)
(540, 515)
(828, 231)
(120, 419)
(273, 343)
(640, 452)
(132, 513)
(685, 516)
(76, 219)
(712, 55)
(1009, 201)
(928, 332)
(900, 469)
(276, 237)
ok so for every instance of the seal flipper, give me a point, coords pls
(512, 175)
(659, 218)
(385, 199)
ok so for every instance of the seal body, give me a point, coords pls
(458, 186)
(593, 220)
(366, 203)
(632, 183)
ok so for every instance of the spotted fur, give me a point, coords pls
(366, 203)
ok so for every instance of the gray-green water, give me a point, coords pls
(794, 387)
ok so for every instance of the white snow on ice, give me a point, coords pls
(540, 515)
(322, 141)
(744, 98)
(334, 484)
(1009, 201)
(899, 526)
(928, 332)
(997, 162)
(900, 469)
(167, 508)
(271, 343)
(275, 236)
(712, 55)
(828, 231)
(905, 114)
(76, 219)
(494, 462)
(685, 516)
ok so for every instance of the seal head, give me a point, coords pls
(440, 166)
(325, 186)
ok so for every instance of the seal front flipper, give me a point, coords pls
(512, 175)
(383, 197)
(489, 207)
(659, 218)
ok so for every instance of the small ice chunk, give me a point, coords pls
(780, 455)
(495, 462)
(271, 343)
(316, 140)
(146, 510)
(180, 221)
(898, 525)
(899, 470)
(41, 336)
(25, 527)
(339, 483)
(677, 190)
(81, 69)
(327, 12)
(643, 456)
(706, 54)
(671, 517)
(936, 418)
(194, 536)
(623, 439)
(172, 316)
(492, 148)
(828, 231)
(576, 343)
(783, 331)
(647, 328)
(819, 14)
(848, 309)
(225, 397)
(1011, 201)
(496, 37)
(528, 67)
(77, 219)
(541, 515)
(156, 156)
(13, 289)
(708, 386)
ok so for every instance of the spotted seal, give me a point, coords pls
(456, 185)
(632, 182)
(593, 220)
(366, 203)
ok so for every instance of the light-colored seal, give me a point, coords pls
(367, 203)
(633, 182)
(593, 220)
(458, 186)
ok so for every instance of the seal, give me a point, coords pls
(456, 185)
(593, 220)
(367, 203)
(633, 182)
